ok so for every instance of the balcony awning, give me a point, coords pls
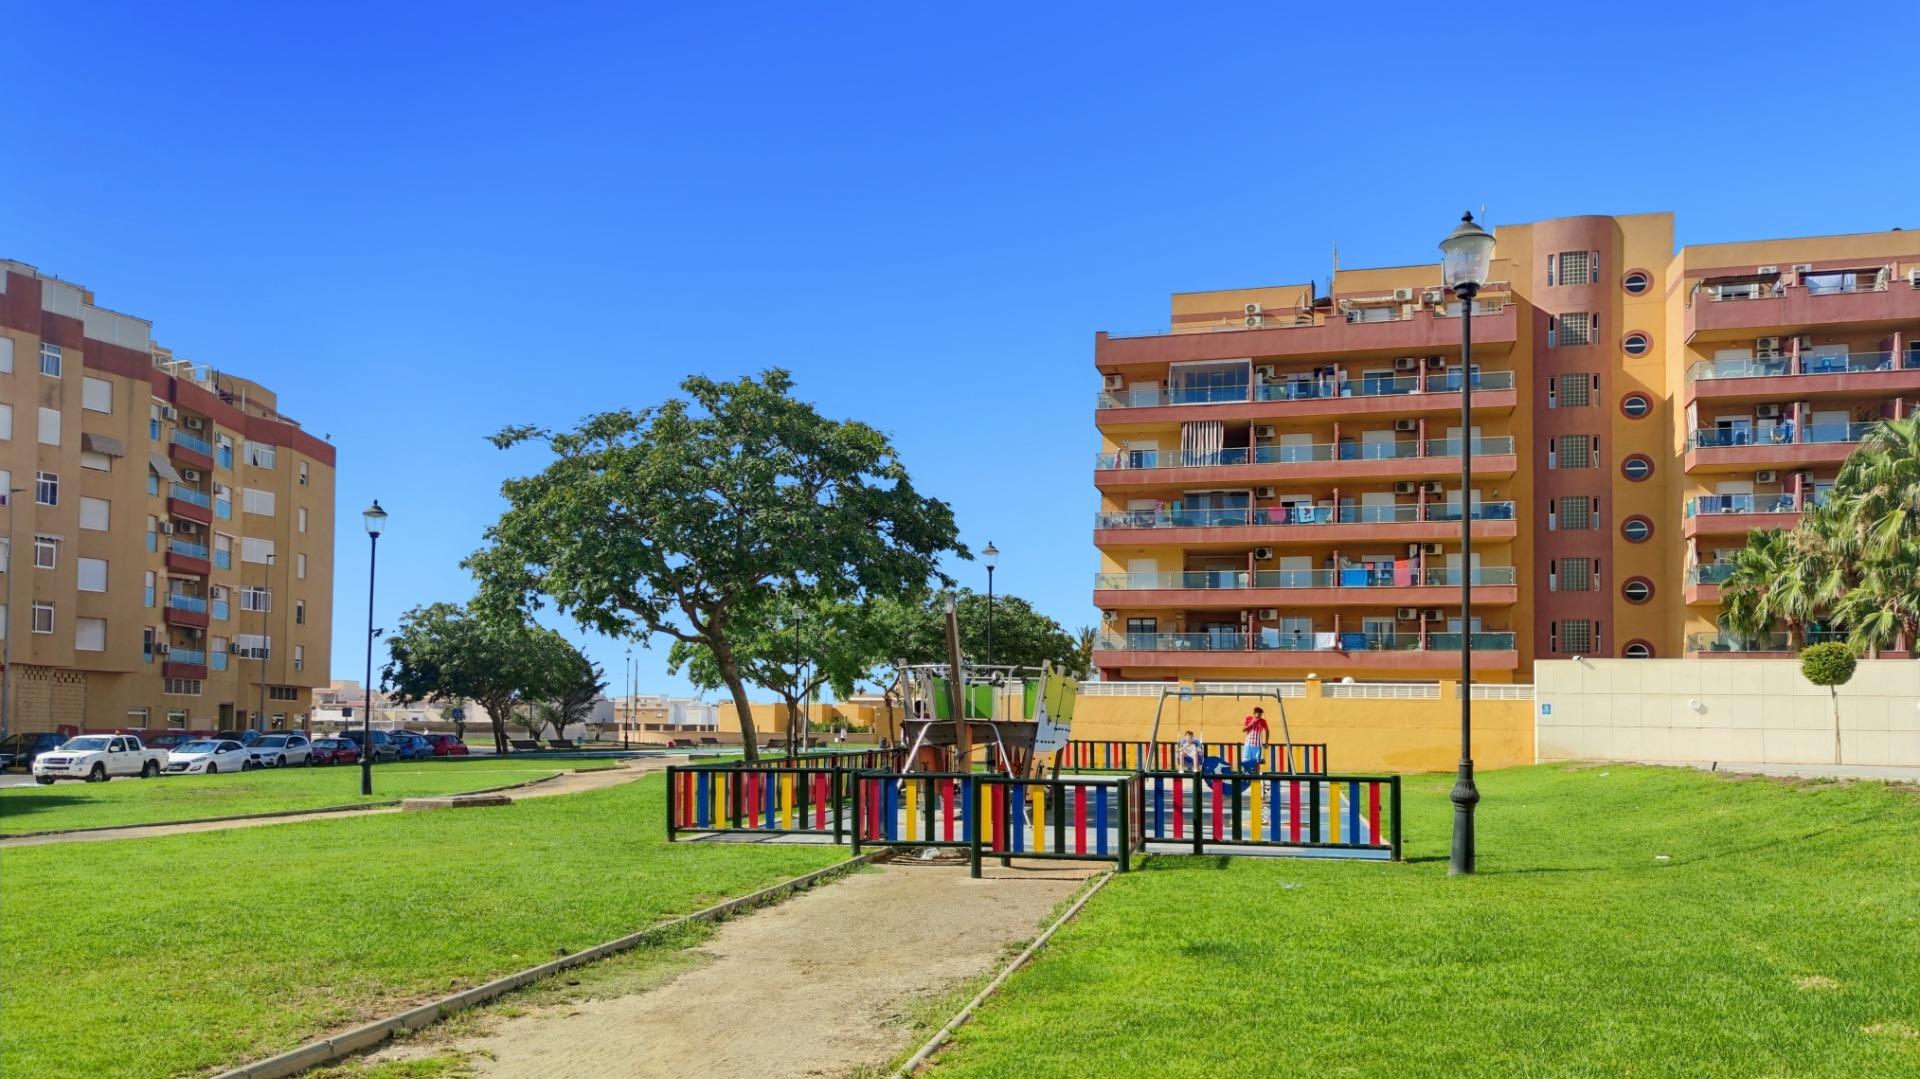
(102, 444)
(163, 466)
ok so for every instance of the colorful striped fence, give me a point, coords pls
(862, 759)
(1083, 818)
(1272, 810)
(774, 801)
(1309, 758)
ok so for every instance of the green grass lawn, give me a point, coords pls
(1779, 935)
(175, 954)
(171, 798)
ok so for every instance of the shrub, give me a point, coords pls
(1829, 664)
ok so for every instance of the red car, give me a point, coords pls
(335, 751)
(446, 745)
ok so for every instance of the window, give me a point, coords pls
(299, 657)
(1636, 590)
(1574, 329)
(177, 718)
(153, 533)
(254, 500)
(259, 454)
(92, 573)
(1637, 467)
(149, 586)
(6, 355)
(43, 618)
(94, 513)
(180, 687)
(46, 552)
(1574, 451)
(1573, 514)
(6, 422)
(99, 462)
(1636, 344)
(90, 634)
(1636, 282)
(252, 646)
(137, 718)
(147, 636)
(303, 473)
(223, 450)
(1571, 391)
(283, 693)
(300, 566)
(96, 394)
(1575, 268)
(50, 427)
(1636, 405)
(219, 599)
(153, 483)
(1636, 529)
(300, 518)
(1576, 636)
(1575, 575)
(259, 551)
(299, 612)
(256, 599)
(50, 360)
(222, 551)
(223, 501)
(217, 654)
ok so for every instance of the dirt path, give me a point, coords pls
(568, 783)
(817, 986)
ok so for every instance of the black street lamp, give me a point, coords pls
(376, 519)
(991, 556)
(1466, 257)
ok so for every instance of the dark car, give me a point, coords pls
(245, 738)
(335, 751)
(412, 745)
(383, 747)
(19, 750)
(446, 745)
(168, 741)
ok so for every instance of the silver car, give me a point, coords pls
(280, 749)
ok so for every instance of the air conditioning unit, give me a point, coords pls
(1803, 267)
(1404, 487)
(167, 527)
(195, 423)
(1254, 322)
(1252, 310)
(1805, 340)
(1435, 614)
(1263, 430)
(1766, 347)
(163, 648)
(1766, 475)
(1269, 614)
(1434, 297)
(1406, 425)
(1404, 295)
(1109, 616)
(1407, 363)
(1263, 554)
(190, 475)
(1115, 382)
(1767, 269)
(1436, 363)
(1413, 550)
(1432, 487)
(1266, 372)
(168, 412)
(1430, 548)
(1913, 277)
(1767, 412)
(1408, 614)
(1263, 492)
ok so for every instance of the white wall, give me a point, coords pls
(1723, 709)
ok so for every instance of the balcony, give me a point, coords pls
(1270, 649)
(1772, 644)
(1737, 515)
(184, 663)
(1306, 397)
(1311, 334)
(1859, 299)
(1397, 459)
(191, 450)
(184, 501)
(1808, 377)
(1287, 525)
(187, 557)
(1311, 588)
(184, 610)
(1734, 449)
(1704, 581)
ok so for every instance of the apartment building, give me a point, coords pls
(169, 548)
(1279, 472)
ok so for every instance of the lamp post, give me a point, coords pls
(630, 712)
(992, 558)
(1466, 256)
(376, 519)
(6, 632)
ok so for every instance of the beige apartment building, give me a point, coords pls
(168, 550)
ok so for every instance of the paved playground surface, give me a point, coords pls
(818, 985)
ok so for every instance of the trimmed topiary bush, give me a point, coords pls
(1830, 664)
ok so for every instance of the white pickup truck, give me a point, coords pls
(97, 758)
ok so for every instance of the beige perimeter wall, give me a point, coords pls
(1703, 710)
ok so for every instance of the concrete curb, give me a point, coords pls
(353, 807)
(919, 1059)
(361, 1038)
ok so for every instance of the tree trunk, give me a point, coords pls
(730, 674)
(796, 727)
(1834, 692)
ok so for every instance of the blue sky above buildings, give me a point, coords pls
(421, 224)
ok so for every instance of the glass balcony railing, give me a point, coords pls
(1450, 447)
(1710, 573)
(181, 602)
(1482, 511)
(1824, 364)
(194, 443)
(1723, 642)
(1483, 380)
(1485, 575)
(189, 495)
(1384, 450)
(1398, 513)
(1838, 432)
(1303, 388)
(1351, 577)
(1709, 505)
(186, 655)
(185, 547)
(1284, 641)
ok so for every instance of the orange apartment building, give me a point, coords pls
(1279, 473)
(169, 555)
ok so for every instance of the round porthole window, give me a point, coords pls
(1636, 529)
(1636, 405)
(1637, 467)
(1637, 590)
(1636, 282)
(1636, 343)
(1637, 650)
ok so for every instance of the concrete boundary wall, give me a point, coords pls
(1696, 711)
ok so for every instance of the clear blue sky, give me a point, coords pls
(422, 225)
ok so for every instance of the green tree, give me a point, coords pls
(793, 651)
(1085, 640)
(916, 631)
(679, 520)
(1874, 515)
(1762, 589)
(1830, 665)
(574, 684)
(448, 652)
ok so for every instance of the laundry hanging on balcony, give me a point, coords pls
(1201, 442)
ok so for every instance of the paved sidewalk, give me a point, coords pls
(1894, 772)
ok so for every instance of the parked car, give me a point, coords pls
(208, 756)
(97, 758)
(245, 738)
(412, 745)
(168, 742)
(335, 751)
(446, 745)
(20, 750)
(282, 749)
(382, 749)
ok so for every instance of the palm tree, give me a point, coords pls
(1084, 640)
(1761, 588)
(1874, 521)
